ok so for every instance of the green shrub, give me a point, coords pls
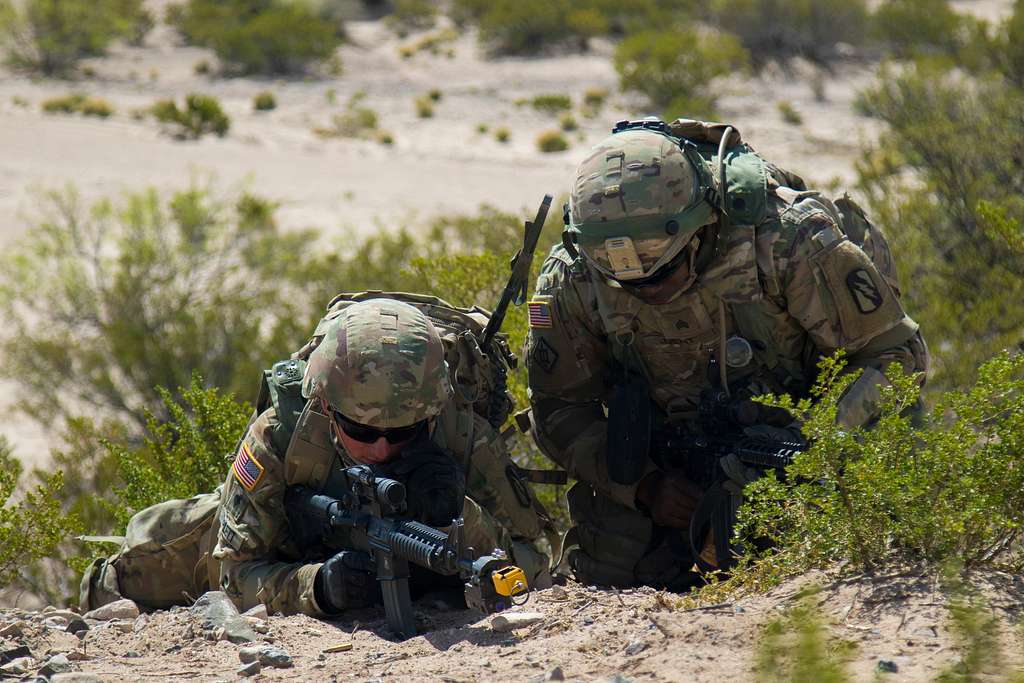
(551, 103)
(807, 28)
(412, 15)
(502, 134)
(264, 101)
(434, 95)
(797, 647)
(482, 128)
(945, 184)
(51, 36)
(424, 107)
(77, 103)
(789, 113)
(201, 115)
(908, 27)
(355, 122)
(202, 67)
(567, 122)
(593, 101)
(385, 138)
(32, 527)
(182, 456)
(260, 36)
(945, 486)
(675, 69)
(552, 141)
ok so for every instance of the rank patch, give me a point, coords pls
(248, 471)
(544, 355)
(540, 314)
(864, 291)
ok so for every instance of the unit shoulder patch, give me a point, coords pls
(864, 291)
(544, 355)
(247, 470)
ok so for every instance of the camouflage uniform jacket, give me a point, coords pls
(792, 284)
(261, 563)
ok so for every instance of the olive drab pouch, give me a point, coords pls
(479, 376)
(629, 430)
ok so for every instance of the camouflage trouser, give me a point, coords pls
(613, 545)
(165, 559)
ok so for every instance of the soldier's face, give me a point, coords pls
(372, 453)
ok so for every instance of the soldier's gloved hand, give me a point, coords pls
(669, 498)
(346, 581)
(789, 433)
(435, 484)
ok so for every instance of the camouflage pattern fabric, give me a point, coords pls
(381, 364)
(792, 286)
(639, 185)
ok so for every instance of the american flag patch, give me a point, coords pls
(247, 470)
(540, 314)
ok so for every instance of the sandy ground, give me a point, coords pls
(589, 634)
(436, 165)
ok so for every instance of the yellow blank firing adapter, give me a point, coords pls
(509, 581)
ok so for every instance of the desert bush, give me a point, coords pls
(593, 101)
(201, 115)
(260, 36)
(412, 15)
(909, 27)
(182, 456)
(945, 183)
(946, 485)
(807, 28)
(567, 122)
(502, 134)
(356, 121)
(202, 67)
(675, 69)
(424, 106)
(32, 527)
(789, 113)
(552, 141)
(77, 103)
(551, 103)
(51, 36)
(797, 647)
(264, 101)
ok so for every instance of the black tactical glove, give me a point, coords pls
(435, 484)
(346, 581)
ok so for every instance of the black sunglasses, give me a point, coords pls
(366, 434)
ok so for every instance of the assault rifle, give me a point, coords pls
(368, 517)
(700, 458)
(519, 281)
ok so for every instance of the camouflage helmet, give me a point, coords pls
(638, 200)
(381, 364)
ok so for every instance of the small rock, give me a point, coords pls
(258, 612)
(78, 656)
(12, 630)
(56, 623)
(18, 666)
(218, 612)
(509, 621)
(141, 622)
(555, 674)
(258, 625)
(587, 621)
(558, 593)
(617, 678)
(738, 610)
(266, 655)
(886, 666)
(635, 648)
(56, 664)
(123, 625)
(132, 654)
(220, 634)
(77, 626)
(66, 613)
(75, 677)
(250, 669)
(120, 609)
